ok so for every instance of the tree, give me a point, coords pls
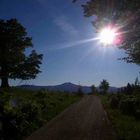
(137, 83)
(123, 14)
(14, 63)
(79, 91)
(93, 88)
(129, 89)
(104, 85)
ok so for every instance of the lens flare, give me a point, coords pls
(107, 36)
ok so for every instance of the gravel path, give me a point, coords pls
(84, 120)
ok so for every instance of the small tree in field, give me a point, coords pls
(93, 89)
(80, 92)
(14, 63)
(104, 85)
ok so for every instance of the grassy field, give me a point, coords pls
(33, 108)
(127, 127)
(55, 102)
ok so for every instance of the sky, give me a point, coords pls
(65, 38)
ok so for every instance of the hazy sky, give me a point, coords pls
(63, 35)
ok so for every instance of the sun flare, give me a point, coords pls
(107, 36)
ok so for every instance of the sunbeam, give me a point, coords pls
(73, 44)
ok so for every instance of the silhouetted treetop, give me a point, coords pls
(14, 63)
(123, 14)
(104, 85)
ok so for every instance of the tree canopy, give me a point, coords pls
(14, 63)
(123, 14)
(104, 85)
(93, 88)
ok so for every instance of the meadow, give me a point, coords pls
(25, 111)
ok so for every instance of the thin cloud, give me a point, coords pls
(62, 21)
(64, 24)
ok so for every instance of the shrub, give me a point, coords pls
(19, 116)
(136, 91)
(137, 109)
(114, 102)
(28, 117)
(130, 105)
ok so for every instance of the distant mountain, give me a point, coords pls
(69, 87)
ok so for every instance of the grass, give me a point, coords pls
(127, 127)
(56, 102)
(41, 106)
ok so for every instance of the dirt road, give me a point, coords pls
(84, 120)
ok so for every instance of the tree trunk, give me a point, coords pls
(4, 76)
(4, 82)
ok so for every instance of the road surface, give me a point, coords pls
(84, 120)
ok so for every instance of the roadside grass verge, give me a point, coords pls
(29, 110)
(127, 127)
(54, 101)
(57, 102)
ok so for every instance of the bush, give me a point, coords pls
(114, 102)
(130, 105)
(137, 109)
(28, 117)
(19, 116)
(41, 97)
(115, 99)
(23, 111)
(136, 91)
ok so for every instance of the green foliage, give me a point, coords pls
(130, 105)
(114, 102)
(104, 85)
(25, 111)
(28, 117)
(126, 126)
(80, 92)
(93, 88)
(131, 89)
(127, 104)
(13, 61)
(123, 14)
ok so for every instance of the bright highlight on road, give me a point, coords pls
(107, 36)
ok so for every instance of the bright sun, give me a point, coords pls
(107, 36)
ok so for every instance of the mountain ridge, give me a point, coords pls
(68, 87)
